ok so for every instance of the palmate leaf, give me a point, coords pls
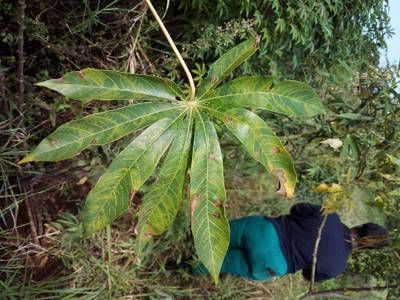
(228, 62)
(98, 129)
(207, 195)
(263, 145)
(89, 84)
(127, 173)
(174, 123)
(162, 202)
(292, 98)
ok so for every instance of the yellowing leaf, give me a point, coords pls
(264, 146)
(210, 226)
(325, 188)
(89, 84)
(127, 173)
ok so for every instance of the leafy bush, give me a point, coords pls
(299, 38)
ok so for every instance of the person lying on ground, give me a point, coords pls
(261, 247)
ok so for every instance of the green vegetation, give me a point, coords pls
(179, 127)
(331, 46)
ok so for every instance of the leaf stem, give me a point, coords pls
(176, 51)
(109, 256)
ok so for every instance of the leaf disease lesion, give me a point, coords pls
(182, 135)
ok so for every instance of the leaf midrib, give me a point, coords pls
(268, 93)
(157, 201)
(104, 130)
(207, 191)
(138, 157)
(224, 75)
(251, 129)
(112, 89)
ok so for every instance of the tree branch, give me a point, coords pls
(314, 263)
(21, 60)
(342, 290)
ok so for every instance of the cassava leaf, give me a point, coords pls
(161, 203)
(89, 84)
(289, 97)
(98, 129)
(228, 62)
(207, 195)
(264, 146)
(129, 170)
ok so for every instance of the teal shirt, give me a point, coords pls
(254, 250)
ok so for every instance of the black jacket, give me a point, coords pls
(298, 232)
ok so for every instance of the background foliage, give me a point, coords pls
(49, 259)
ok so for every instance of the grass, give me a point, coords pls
(105, 266)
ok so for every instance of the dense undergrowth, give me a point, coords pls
(42, 254)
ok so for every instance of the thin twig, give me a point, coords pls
(314, 263)
(176, 51)
(146, 58)
(21, 60)
(343, 290)
(109, 254)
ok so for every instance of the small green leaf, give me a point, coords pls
(355, 117)
(289, 97)
(264, 146)
(207, 196)
(89, 84)
(129, 170)
(222, 67)
(98, 129)
(161, 203)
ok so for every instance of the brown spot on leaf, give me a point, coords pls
(276, 150)
(217, 214)
(194, 203)
(228, 120)
(131, 196)
(81, 74)
(211, 156)
(60, 80)
(52, 142)
(148, 235)
(282, 180)
(94, 142)
(218, 203)
(213, 78)
(178, 98)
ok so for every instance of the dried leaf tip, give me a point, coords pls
(131, 196)
(282, 180)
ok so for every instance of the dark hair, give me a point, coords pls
(371, 236)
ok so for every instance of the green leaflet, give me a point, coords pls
(89, 84)
(98, 129)
(288, 97)
(162, 202)
(127, 173)
(228, 62)
(207, 195)
(263, 145)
